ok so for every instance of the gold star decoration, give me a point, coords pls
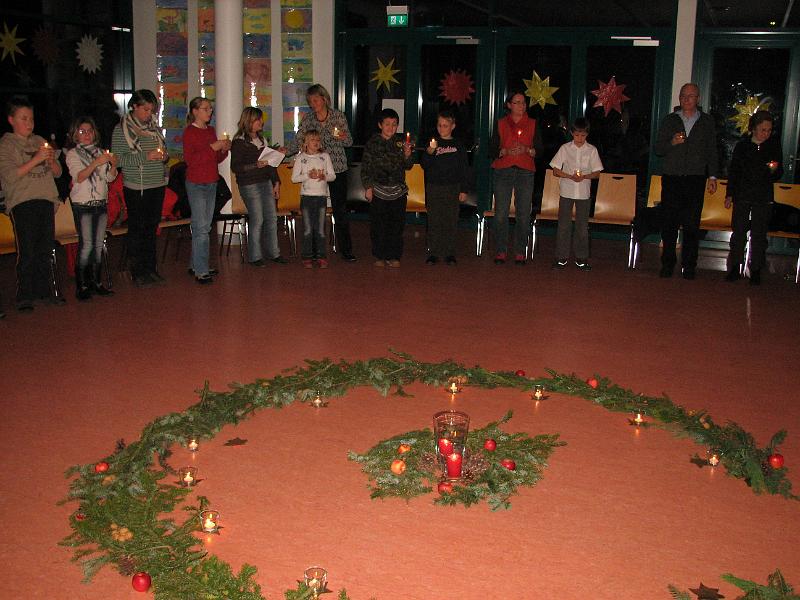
(539, 90)
(384, 75)
(9, 42)
(745, 110)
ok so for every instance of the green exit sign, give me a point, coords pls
(397, 20)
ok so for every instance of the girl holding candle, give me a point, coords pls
(91, 169)
(138, 143)
(202, 152)
(27, 169)
(445, 164)
(386, 159)
(514, 146)
(755, 166)
(259, 187)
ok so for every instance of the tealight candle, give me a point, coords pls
(713, 459)
(519, 133)
(433, 143)
(638, 419)
(454, 389)
(316, 578)
(773, 164)
(225, 135)
(193, 445)
(46, 145)
(188, 476)
(578, 172)
(335, 132)
(317, 402)
(454, 461)
(209, 520)
(538, 391)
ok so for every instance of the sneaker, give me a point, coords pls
(308, 263)
(348, 256)
(379, 263)
(519, 259)
(257, 263)
(431, 260)
(451, 261)
(155, 277)
(583, 266)
(755, 277)
(500, 258)
(560, 265)
(394, 263)
(280, 260)
(323, 263)
(204, 279)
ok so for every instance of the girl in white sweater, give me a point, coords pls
(313, 169)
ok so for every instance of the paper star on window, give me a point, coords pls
(45, 46)
(610, 96)
(9, 42)
(539, 90)
(457, 87)
(384, 75)
(90, 54)
(745, 110)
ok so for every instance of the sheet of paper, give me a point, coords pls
(273, 157)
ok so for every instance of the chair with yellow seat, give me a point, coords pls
(7, 240)
(415, 180)
(715, 217)
(615, 204)
(289, 204)
(789, 194)
(654, 191)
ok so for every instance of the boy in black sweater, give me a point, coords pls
(445, 164)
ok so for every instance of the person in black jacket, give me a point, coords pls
(445, 164)
(687, 142)
(755, 166)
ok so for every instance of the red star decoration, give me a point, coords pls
(610, 96)
(457, 87)
(45, 45)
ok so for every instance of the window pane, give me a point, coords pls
(744, 79)
(380, 72)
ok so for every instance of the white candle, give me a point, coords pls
(193, 445)
(433, 143)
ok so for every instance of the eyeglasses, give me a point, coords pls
(84, 131)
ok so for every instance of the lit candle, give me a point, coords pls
(225, 135)
(188, 476)
(453, 389)
(519, 133)
(713, 459)
(46, 145)
(445, 446)
(454, 461)
(773, 164)
(335, 132)
(578, 172)
(538, 391)
(210, 521)
(433, 143)
(108, 151)
(408, 137)
(639, 419)
(317, 402)
(193, 445)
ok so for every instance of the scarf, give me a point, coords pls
(133, 130)
(87, 154)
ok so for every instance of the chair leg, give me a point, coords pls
(55, 283)
(222, 237)
(244, 238)
(291, 224)
(534, 223)
(479, 235)
(631, 245)
(106, 264)
(744, 269)
(797, 269)
(333, 234)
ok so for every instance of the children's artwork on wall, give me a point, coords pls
(257, 20)
(205, 16)
(257, 41)
(171, 44)
(295, 70)
(384, 75)
(610, 96)
(172, 4)
(256, 45)
(172, 69)
(90, 53)
(745, 110)
(296, 3)
(296, 20)
(457, 87)
(258, 71)
(294, 94)
(171, 20)
(9, 42)
(296, 45)
(45, 45)
(539, 91)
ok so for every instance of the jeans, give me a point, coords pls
(202, 197)
(90, 221)
(681, 206)
(755, 217)
(144, 215)
(34, 229)
(564, 234)
(387, 218)
(442, 204)
(262, 220)
(313, 208)
(520, 182)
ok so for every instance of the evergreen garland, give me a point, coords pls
(776, 589)
(132, 495)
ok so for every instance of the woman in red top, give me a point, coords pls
(515, 143)
(202, 152)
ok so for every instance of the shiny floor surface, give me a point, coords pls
(620, 514)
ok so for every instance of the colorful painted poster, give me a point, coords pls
(205, 16)
(206, 51)
(294, 94)
(296, 70)
(296, 20)
(257, 20)
(258, 71)
(172, 4)
(296, 3)
(170, 20)
(256, 45)
(172, 69)
(296, 45)
(172, 44)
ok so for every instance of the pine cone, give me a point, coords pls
(126, 566)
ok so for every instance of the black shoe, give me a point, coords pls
(25, 306)
(82, 291)
(204, 279)
(257, 263)
(280, 260)
(688, 273)
(210, 271)
(450, 260)
(2, 314)
(500, 258)
(431, 260)
(755, 277)
(348, 256)
(56, 300)
(96, 284)
(583, 266)
(560, 265)
(155, 277)
(733, 275)
(141, 280)
(666, 272)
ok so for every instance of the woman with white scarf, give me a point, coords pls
(139, 145)
(91, 169)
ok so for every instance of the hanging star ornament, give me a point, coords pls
(539, 90)
(45, 46)
(9, 42)
(610, 96)
(90, 54)
(384, 75)
(457, 87)
(745, 110)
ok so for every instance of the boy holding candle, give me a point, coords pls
(575, 163)
(445, 164)
(386, 159)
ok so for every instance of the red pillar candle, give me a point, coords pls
(454, 461)
(445, 446)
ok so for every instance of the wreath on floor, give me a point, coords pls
(127, 503)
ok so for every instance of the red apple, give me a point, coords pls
(519, 373)
(508, 464)
(592, 383)
(141, 581)
(489, 445)
(101, 467)
(775, 460)
(444, 487)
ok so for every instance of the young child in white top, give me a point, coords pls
(313, 169)
(576, 163)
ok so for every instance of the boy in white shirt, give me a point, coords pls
(313, 169)
(576, 163)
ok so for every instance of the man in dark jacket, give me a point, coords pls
(687, 143)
